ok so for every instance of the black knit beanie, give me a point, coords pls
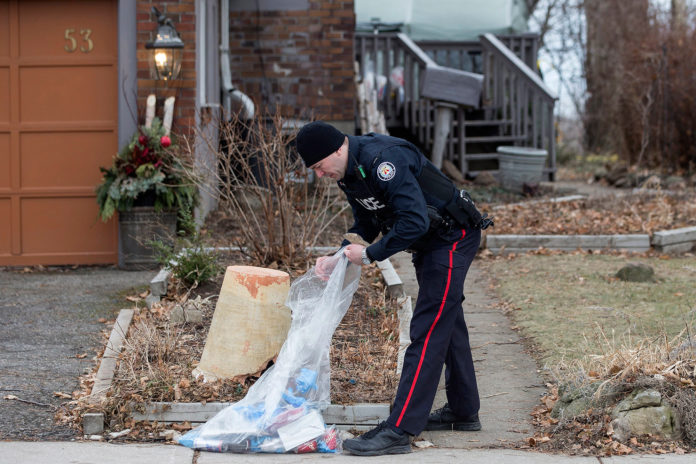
(317, 140)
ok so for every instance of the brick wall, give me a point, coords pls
(183, 15)
(299, 59)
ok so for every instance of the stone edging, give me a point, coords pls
(675, 240)
(522, 243)
(93, 423)
(359, 416)
(343, 416)
(666, 241)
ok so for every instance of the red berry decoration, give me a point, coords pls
(142, 139)
(165, 141)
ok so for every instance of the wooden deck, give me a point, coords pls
(515, 106)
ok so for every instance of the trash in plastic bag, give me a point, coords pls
(282, 410)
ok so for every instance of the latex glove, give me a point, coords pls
(354, 253)
(325, 266)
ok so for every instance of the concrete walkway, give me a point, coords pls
(104, 453)
(509, 386)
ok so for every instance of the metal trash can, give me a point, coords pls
(520, 165)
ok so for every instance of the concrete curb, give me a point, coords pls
(343, 416)
(550, 200)
(93, 423)
(395, 287)
(675, 241)
(158, 285)
(107, 367)
(522, 243)
(404, 313)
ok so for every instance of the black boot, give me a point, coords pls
(378, 441)
(445, 419)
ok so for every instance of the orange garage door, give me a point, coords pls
(58, 124)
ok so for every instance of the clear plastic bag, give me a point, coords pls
(282, 410)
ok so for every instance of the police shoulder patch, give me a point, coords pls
(386, 171)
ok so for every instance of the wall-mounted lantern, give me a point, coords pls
(167, 49)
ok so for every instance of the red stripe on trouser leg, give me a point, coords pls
(432, 327)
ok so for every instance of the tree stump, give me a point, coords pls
(249, 325)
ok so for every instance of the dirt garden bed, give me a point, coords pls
(591, 332)
(159, 356)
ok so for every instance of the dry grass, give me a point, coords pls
(561, 301)
(633, 357)
(589, 328)
(158, 359)
(665, 363)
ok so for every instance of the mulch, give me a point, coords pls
(631, 214)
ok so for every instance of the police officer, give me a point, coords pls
(393, 189)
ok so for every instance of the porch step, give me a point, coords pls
(500, 138)
(494, 172)
(485, 122)
(481, 156)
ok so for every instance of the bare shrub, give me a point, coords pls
(627, 69)
(263, 183)
(642, 91)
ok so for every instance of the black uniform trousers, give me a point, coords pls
(438, 335)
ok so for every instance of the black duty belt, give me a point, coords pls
(459, 206)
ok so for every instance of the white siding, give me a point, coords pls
(446, 19)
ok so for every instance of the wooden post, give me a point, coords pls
(443, 122)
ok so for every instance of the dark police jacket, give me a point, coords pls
(388, 198)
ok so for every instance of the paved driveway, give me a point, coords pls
(46, 319)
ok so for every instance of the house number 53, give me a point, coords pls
(86, 44)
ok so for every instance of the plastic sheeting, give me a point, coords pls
(282, 410)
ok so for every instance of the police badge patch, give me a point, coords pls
(386, 171)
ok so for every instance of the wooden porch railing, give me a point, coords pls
(515, 100)
(514, 92)
(467, 55)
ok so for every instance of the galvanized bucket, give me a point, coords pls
(521, 165)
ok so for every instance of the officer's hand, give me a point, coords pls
(354, 253)
(325, 266)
